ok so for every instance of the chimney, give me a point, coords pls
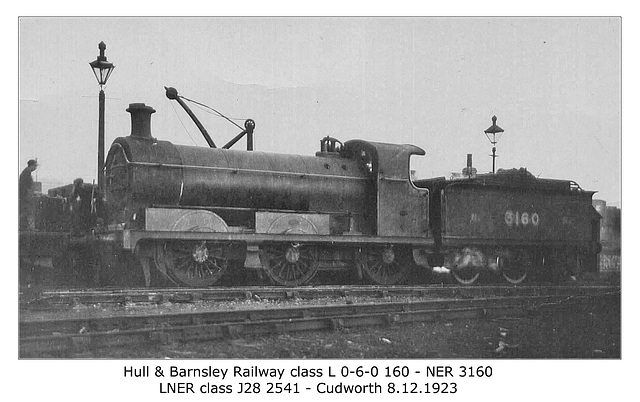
(469, 171)
(141, 120)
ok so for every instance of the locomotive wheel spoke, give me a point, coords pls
(193, 263)
(383, 265)
(289, 264)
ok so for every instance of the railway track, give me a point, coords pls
(63, 337)
(54, 299)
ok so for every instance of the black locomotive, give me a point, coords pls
(200, 214)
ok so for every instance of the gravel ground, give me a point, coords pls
(580, 331)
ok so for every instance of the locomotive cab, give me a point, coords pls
(397, 207)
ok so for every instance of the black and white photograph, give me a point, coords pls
(319, 206)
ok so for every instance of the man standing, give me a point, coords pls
(27, 198)
(80, 207)
(86, 204)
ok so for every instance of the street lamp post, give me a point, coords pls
(491, 133)
(102, 70)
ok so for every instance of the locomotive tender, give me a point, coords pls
(514, 224)
(197, 213)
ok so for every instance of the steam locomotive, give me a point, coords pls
(197, 215)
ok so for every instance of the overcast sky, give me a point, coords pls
(553, 83)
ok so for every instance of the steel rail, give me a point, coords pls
(60, 298)
(70, 336)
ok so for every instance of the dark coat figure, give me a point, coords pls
(26, 197)
(86, 206)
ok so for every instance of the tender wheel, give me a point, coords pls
(514, 270)
(383, 265)
(466, 276)
(193, 263)
(289, 264)
(561, 265)
(467, 264)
